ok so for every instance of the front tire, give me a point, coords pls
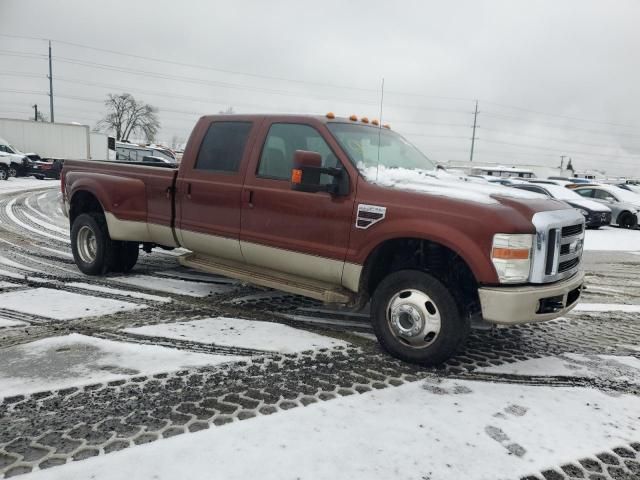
(91, 245)
(4, 173)
(13, 171)
(417, 319)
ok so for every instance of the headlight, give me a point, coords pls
(583, 212)
(511, 256)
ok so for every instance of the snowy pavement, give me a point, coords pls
(171, 373)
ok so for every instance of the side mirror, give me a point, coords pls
(307, 171)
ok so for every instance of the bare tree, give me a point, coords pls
(227, 111)
(127, 116)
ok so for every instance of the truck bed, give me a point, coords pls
(133, 194)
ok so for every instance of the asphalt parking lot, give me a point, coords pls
(94, 366)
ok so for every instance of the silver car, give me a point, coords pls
(624, 204)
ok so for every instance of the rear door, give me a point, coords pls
(300, 233)
(209, 187)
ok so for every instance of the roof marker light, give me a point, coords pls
(353, 118)
(331, 115)
(387, 126)
(375, 122)
(365, 120)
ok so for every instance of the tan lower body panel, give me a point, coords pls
(139, 231)
(268, 278)
(212, 245)
(295, 263)
(328, 271)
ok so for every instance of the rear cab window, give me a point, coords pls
(223, 147)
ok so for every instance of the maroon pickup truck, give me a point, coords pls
(340, 210)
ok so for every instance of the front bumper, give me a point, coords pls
(598, 219)
(531, 303)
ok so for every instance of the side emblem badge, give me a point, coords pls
(369, 215)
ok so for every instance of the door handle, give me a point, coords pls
(250, 198)
(188, 190)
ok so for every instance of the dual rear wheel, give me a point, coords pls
(93, 250)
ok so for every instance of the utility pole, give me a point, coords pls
(473, 137)
(35, 115)
(50, 84)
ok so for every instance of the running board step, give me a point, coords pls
(268, 278)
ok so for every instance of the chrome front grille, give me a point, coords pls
(557, 252)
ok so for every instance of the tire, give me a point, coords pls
(125, 256)
(4, 173)
(91, 245)
(627, 220)
(399, 307)
(13, 171)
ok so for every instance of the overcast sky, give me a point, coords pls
(552, 77)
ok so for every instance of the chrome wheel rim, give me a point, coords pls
(13, 172)
(414, 318)
(3, 174)
(87, 244)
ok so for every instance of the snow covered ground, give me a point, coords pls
(175, 285)
(61, 305)
(22, 184)
(604, 367)
(76, 360)
(612, 239)
(440, 431)
(606, 307)
(236, 332)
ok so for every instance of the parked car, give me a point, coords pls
(19, 163)
(572, 179)
(631, 187)
(624, 204)
(595, 214)
(47, 169)
(152, 159)
(340, 211)
(562, 183)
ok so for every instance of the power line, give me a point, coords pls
(560, 115)
(307, 82)
(520, 145)
(513, 118)
(551, 139)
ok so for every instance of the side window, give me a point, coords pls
(282, 141)
(585, 192)
(604, 195)
(223, 147)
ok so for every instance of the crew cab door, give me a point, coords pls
(209, 187)
(300, 233)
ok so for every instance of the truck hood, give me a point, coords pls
(446, 185)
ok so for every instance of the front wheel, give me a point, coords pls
(13, 171)
(4, 173)
(91, 245)
(416, 318)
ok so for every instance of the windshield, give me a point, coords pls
(561, 193)
(361, 145)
